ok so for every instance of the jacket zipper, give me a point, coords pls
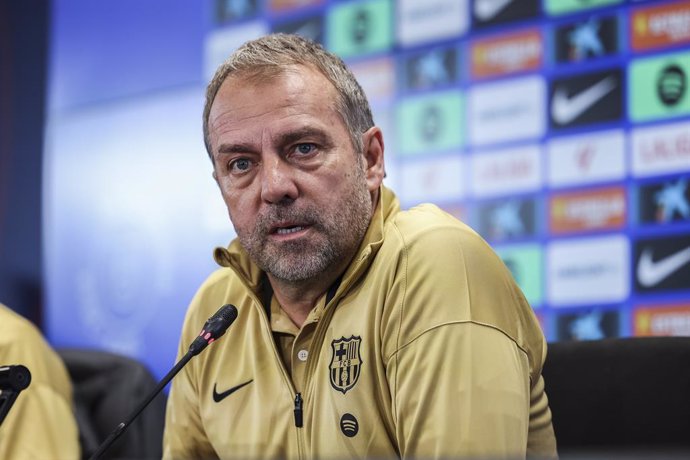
(298, 410)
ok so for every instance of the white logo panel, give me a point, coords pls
(499, 172)
(509, 110)
(588, 270)
(420, 22)
(661, 149)
(220, 44)
(586, 159)
(432, 179)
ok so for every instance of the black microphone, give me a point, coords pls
(15, 377)
(213, 329)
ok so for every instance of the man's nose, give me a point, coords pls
(278, 180)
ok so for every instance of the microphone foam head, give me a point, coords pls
(221, 321)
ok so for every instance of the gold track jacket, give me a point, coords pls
(427, 349)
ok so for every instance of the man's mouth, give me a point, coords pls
(288, 230)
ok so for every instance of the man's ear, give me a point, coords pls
(372, 146)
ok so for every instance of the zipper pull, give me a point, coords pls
(298, 410)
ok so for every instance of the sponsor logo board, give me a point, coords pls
(238, 9)
(508, 110)
(354, 29)
(222, 43)
(505, 171)
(586, 99)
(279, 6)
(506, 54)
(507, 218)
(432, 179)
(590, 324)
(430, 123)
(558, 7)
(588, 270)
(492, 12)
(592, 38)
(662, 149)
(311, 28)
(657, 26)
(595, 209)
(420, 22)
(659, 87)
(662, 320)
(664, 202)
(525, 263)
(430, 69)
(586, 159)
(662, 264)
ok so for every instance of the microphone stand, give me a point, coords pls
(213, 329)
(119, 429)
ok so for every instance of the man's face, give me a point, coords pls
(298, 195)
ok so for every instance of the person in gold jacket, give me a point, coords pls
(40, 423)
(363, 331)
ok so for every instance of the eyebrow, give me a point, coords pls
(235, 148)
(299, 134)
(283, 139)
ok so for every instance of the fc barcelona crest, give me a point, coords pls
(346, 363)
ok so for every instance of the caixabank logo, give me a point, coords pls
(665, 202)
(588, 324)
(506, 219)
(586, 99)
(662, 264)
(430, 69)
(588, 39)
(658, 87)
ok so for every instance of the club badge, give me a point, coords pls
(346, 363)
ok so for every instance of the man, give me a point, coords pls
(40, 423)
(363, 331)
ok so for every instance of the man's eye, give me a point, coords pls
(240, 165)
(305, 149)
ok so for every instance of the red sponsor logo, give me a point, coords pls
(662, 149)
(284, 5)
(662, 320)
(658, 26)
(507, 54)
(600, 209)
(509, 169)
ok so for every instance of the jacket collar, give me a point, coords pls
(235, 257)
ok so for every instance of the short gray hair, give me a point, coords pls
(269, 55)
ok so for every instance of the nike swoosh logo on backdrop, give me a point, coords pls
(565, 109)
(650, 273)
(486, 10)
(218, 397)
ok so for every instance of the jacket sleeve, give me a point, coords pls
(463, 350)
(461, 390)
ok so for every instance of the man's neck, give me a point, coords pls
(297, 299)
